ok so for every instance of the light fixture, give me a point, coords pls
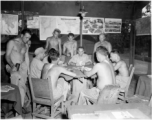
(83, 12)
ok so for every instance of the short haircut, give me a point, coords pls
(80, 47)
(115, 51)
(26, 31)
(71, 34)
(102, 50)
(57, 30)
(53, 55)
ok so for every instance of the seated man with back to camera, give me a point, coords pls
(53, 70)
(105, 73)
(121, 66)
(37, 64)
(80, 59)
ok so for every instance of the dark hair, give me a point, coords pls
(26, 31)
(57, 30)
(70, 34)
(115, 51)
(53, 54)
(80, 47)
(102, 50)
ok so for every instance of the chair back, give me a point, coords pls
(41, 88)
(109, 95)
(129, 81)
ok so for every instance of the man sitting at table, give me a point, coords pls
(122, 68)
(70, 47)
(37, 64)
(105, 73)
(80, 59)
(59, 85)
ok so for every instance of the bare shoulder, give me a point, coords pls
(49, 38)
(123, 62)
(11, 43)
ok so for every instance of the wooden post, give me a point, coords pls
(134, 41)
(22, 9)
(131, 39)
(81, 37)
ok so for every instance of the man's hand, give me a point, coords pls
(13, 69)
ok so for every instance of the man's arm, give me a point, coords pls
(75, 48)
(64, 48)
(72, 61)
(117, 66)
(93, 71)
(60, 50)
(110, 47)
(67, 72)
(47, 44)
(9, 48)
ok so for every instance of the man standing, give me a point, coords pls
(54, 42)
(80, 59)
(37, 64)
(70, 47)
(102, 42)
(18, 60)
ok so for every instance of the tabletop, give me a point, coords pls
(14, 96)
(75, 109)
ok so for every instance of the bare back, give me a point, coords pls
(105, 75)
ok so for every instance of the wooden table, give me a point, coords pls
(84, 109)
(13, 96)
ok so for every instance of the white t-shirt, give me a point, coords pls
(36, 68)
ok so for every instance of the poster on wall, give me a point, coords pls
(34, 23)
(143, 26)
(113, 25)
(68, 24)
(47, 26)
(9, 24)
(93, 26)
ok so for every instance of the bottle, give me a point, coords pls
(17, 66)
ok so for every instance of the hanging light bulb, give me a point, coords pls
(83, 12)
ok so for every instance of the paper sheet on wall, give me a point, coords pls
(113, 25)
(47, 26)
(33, 23)
(93, 26)
(68, 25)
(9, 24)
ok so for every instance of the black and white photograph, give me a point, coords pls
(76, 59)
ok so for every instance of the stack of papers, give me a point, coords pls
(6, 88)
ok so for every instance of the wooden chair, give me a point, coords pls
(124, 92)
(109, 95)
(41, 90)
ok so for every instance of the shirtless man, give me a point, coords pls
(59, 85)
(122, 68)
(70, 47)
(17, 52)
(54, 42)
(102, 42)
(105, 73)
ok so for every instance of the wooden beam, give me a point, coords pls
(22, 9)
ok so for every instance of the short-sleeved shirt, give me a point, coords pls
(80, 59)
(36, 68)
(105, 44)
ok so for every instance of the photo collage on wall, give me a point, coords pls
(113, 25)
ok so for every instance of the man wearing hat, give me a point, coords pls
(37, 64)
(54, 42)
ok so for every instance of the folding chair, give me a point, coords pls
(42, 94)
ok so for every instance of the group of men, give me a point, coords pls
(49, 62)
